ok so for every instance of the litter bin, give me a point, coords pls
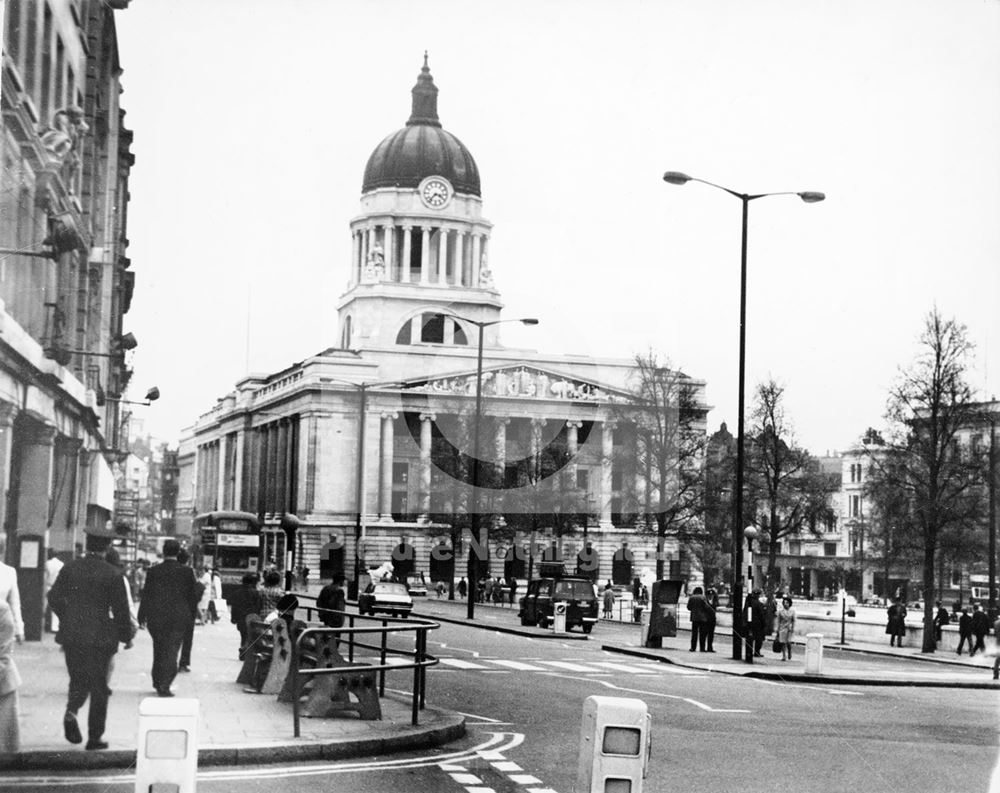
(663, 611)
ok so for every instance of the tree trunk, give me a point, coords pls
(772, 563)
(928, 593)
(661, 533)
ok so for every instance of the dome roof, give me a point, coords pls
(422, 148)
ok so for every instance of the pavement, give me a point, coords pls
(234, 727)
(856, 663)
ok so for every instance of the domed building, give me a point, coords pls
(375, 444)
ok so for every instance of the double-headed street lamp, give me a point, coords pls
(810, 197)
(478, 545)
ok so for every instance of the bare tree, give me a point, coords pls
(667, 452)
(923, 462)
(788, 492)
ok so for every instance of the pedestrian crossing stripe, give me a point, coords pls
(589, 667)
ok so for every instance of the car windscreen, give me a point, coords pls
(390, 589)
(575, 590)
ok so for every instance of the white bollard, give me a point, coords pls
(814, 653)
(559, 617)
(167, 749)
(614, 745)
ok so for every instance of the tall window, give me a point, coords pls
(855, 507)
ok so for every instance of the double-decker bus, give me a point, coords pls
(229, 542)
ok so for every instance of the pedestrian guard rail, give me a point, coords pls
(304, 660)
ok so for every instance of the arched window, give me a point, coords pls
(432, 328)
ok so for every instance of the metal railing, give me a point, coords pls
(348, 633)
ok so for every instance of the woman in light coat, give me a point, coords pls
(786, 627)
(10, 735)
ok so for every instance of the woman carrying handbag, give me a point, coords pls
(786, 628)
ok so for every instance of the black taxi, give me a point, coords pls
(578, 593)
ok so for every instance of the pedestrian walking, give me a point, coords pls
(786, 627)
(10, 729)
(333, 601)
(168, 609)
(701, 615)
(712, 598)
(90, 600)
(53, 564)
(980, 627)
(609, 601)
(305, 578)
(9, 592)
(758, 624)
(964, 631)
(242, 603)
(440, 589)
(512, 583)
(895, 625)
(941, 618)
(463, 588)
(188, 642)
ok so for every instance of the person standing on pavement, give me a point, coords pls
(463, 588)
(242, 603)
(758, 623)
(609, 600)
(10, 728)
(964, 631)
(980, 627)
(712, 598)
(700, 617)
(512, 583)
(333, 600)
(271, 593)
(786, 627)
(896, 624)
(167, 609)
(90, 600)
(941, 618)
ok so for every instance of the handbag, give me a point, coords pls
(777, 646)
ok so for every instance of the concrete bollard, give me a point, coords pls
(559, 617)
(167, 747)
(814, 653)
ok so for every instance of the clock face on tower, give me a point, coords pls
(435, 192)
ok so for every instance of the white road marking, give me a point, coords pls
(496, 672)
(460, 664)
(690, 701)
(520, 667)
(480, 790)
(506, 765)
(623, 668)
(443, 646)
(452, 767)
(525, 779)
(466, 779)
(492, 755)
(568, 666)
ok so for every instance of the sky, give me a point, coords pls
(253, 122)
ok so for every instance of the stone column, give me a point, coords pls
(501, 446)
(407, 253)
(460, 279)
(388, 244)
(425, 255)
(572, 449)
(385, 480)
(442, 278)
(220, 493)
(355, 257)
(34, 488)
(426, 420)
(366, 242)
(477, 240)
(238, 463)
(536, 446)
(7, 413)
(607, 454)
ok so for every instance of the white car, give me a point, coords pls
(388, 597)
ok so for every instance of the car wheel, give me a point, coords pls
(587, 627)
(543, 622)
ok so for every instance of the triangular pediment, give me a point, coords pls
(519, 382)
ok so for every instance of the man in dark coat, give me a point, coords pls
(701, 615)
(242, 603)
(964, 631)
(941, 618)
(333, 600)
(168, 606)
(89, 599)
(758, 624)
(980, 627)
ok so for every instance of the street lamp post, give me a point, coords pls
(810, 197)
(750, 532)
(477, 547)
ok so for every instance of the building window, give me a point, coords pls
(795, 547)
(400, 473)
(13, 31)
(616, 480)
(432, 329)
(405, 334)
(829, 549)
(583, 479)
(855, 507)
